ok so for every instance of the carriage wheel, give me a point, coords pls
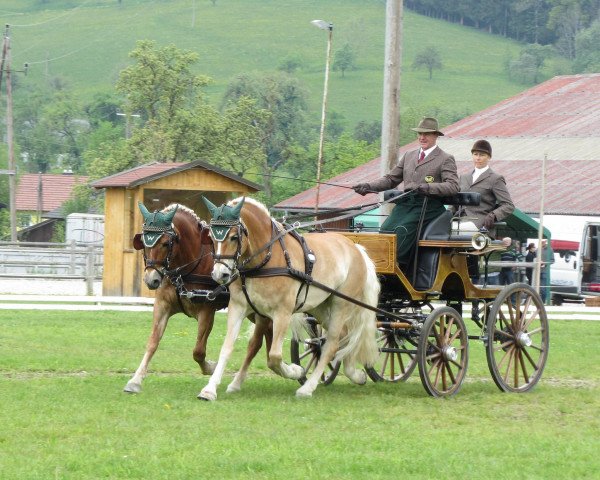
(307, 352)
(443, 353)
(517, 338)
(395, 364)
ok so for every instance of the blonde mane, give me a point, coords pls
(251, 200)
(182, 208)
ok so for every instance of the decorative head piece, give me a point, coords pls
(223, 218)
(155, 224)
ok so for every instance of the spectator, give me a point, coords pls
(530, 258)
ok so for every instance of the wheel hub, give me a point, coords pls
(523, 339)
(449, 353)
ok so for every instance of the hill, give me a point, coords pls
(87, 42)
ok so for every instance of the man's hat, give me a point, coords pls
(482, 146)
(428, 125)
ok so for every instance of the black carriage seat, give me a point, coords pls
(428, 257)
(439, 229)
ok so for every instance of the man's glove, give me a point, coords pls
(362, 188)
(423, 189)
(489, 220)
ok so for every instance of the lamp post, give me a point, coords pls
(323, 25)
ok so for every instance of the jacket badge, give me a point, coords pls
(429, 179)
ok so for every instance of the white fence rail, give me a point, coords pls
(45, 260)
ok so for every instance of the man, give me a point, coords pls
(427, 172)
(547, 259)
(511, 254)
(496, 203)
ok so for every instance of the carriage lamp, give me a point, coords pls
(479, 241)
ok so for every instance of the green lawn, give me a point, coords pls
(87, 42)
(65, 416)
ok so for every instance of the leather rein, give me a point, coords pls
(305, 278)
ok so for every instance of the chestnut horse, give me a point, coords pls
(273, 272)
(178, 258)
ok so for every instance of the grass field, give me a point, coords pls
(64, 414)
(87, 42)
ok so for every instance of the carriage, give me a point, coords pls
(419, 316)
(418, 312)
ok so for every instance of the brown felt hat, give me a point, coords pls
(428, 125)
(482, 146)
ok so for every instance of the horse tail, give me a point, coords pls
(300, 327)
(360, 343)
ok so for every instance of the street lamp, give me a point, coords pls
(323, 25)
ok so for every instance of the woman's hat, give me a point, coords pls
(482, 146)
(428, 125)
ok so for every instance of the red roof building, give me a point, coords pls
(556, 123)
(45, 192)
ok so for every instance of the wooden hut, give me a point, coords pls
(156, 185)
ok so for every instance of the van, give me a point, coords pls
(575, 273)
(589, 261)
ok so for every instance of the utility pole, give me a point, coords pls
(390, 136)
(5, 67)
(128, 122)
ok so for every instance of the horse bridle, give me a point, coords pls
(219, 231)
(161, 266)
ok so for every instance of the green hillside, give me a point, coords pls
(88, 41)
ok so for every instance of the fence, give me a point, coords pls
(73, 260)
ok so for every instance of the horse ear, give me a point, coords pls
(205, 237)
(212, 208)
(169, 216)
(144, 210)
(236, 210)
(138, 244)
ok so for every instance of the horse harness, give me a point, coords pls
(219, 231)
(183, 274)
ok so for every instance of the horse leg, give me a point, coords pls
(262, 327)
(327, 353)
(206, 318)
(161, 318)
(235, 315)
(281, 322)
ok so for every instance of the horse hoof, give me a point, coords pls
(296, 372)
(132, 388)
(208, 396)
(209, 367)
(300, 393)
(233, 388)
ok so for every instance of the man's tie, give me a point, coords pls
(421, 156)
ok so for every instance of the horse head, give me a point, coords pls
(227, 233)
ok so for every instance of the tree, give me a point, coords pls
(162, 88)
(241, 133)
(160, 82)
(428, 58)
(587, 58)
(344, 59)
(283, 97)
(527, 68)
(291, 63)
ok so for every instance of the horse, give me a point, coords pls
(178, 256)
(272, 272)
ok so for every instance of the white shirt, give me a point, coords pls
(427, 152)
(478, 171)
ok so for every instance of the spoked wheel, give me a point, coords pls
(306, 352)
(443, 353)
(517, 338)
(397, 356)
